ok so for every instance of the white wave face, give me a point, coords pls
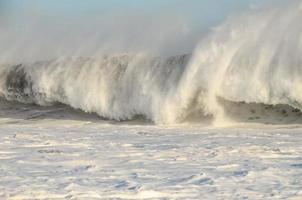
(251, 58)
(118, 87)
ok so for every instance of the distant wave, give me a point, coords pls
(254, 58)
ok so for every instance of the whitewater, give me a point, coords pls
(221, 120)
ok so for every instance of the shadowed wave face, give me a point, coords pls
(18, 85)
(248, 67)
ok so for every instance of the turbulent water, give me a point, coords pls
(138, 124)
(246, 65)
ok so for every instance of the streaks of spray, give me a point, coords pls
(251, 58)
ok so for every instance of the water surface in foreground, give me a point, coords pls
(53, 157)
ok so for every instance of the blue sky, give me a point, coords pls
(205, 11)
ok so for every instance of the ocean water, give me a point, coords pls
(221, 122)
(59, 153)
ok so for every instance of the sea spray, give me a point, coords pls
(252, 58)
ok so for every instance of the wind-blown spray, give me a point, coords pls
(251, 58)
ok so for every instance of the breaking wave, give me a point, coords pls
(252, 59)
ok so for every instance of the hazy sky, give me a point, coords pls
(201, 11)
(58, 27)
